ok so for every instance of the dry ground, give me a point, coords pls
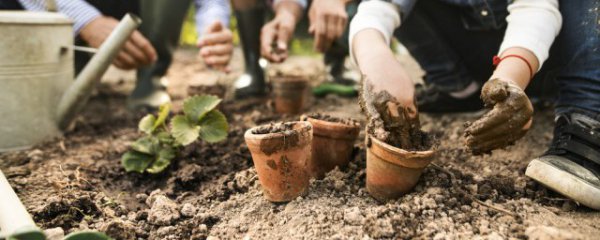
(76, 182)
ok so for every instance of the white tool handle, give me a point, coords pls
(13, 215)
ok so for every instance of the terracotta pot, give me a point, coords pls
(281, 161)
(289, 94)
(332, 145)
(393, 172)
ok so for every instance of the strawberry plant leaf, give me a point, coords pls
(163, 113)
(165, 138)
(184, 131)
(136, 161)
(196, 107)
(213, 127)
(146, 125)
(165, 155)
(145, 145)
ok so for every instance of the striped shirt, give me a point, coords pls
(81, 12)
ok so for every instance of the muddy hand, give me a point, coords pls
(388, 120)
(508, 121)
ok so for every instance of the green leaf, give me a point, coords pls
(147, 123)
(145, 145)
(163, 160)
(183, 130)
(165, 138)
(197, 106)
(136, 161)
(213, 127)
(87, 235)
(163, 113)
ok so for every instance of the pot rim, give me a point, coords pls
(337, 127)
(411, 159)
(300, 127)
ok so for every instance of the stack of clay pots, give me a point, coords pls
(286, 160)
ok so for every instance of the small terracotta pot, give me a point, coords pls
(332, 145)
(289, 92)
(393, 172)
(281, 161)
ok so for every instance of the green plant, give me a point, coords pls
(155, 151)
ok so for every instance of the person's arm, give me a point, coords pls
(328, 19)
(94, 28)
(276, 34)
(215, 38)
(532, 28)
(79, 11)
(370, 35)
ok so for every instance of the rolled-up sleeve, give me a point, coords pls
(209, 11)
(533, 25)
(79, 11)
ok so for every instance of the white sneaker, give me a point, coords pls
(571, 166)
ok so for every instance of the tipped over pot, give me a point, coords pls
(289, 93)
(333, 142)
(281, 153)
(393, 172)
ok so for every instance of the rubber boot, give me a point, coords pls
(252, 82)
(335, 57)
(163, 20)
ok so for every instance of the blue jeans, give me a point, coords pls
(455, 42)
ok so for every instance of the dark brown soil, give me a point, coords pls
(401, 130)
(329, 118)
(77, 182)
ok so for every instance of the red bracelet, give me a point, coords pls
(496, 60)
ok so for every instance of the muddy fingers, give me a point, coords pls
(509, 119)
(389, 120)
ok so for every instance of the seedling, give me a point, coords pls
(154, 152)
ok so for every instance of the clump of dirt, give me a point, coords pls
(389, 121)
(274, 128)
(329, 118)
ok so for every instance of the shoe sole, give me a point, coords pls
(564, 183)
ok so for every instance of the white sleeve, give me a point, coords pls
(379, 15)
(302, 3)
(533, 25)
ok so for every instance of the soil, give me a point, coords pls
(391, 122)
(77, 182)
(273, 128)
(329, 118)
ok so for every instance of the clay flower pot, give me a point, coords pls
(332, 145)
(393, 172)
(288, 93)
(281, 160)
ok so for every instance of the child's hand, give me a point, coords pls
(135, 53)
(276, 34)
(216, 46)
(328, 21)
(508, 121)
(388, 92)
